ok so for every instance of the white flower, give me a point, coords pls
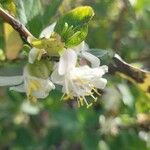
(78, 81)
(37, 53)
(34, 87)
(109, 125)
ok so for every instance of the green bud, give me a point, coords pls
(41, 69)
(53, 45)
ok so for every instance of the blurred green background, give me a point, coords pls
(120, 120)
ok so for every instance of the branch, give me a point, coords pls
(121, 66)
(19, 27)
(130, 72)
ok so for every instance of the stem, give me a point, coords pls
(119, 65)
(19, 27)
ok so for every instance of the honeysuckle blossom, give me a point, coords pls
(81, 49)
(34, 87)
(78, 81)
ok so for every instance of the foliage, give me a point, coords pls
(72, 27)
(120, 118)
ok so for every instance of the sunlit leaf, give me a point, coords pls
(72, 27)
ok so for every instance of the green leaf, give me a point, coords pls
(28, 9)
(50, 11)
(72, 27)
(27, 12)
(36, 17)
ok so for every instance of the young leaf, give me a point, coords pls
(72, 27)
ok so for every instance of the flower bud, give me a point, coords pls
(41, 69)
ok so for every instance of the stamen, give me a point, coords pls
(89, 105)
(81, 101)
(95, 90)
(32, 99)
(33, 86)
(78, 103)
(67, 97)
(95, 98)
(62, 96)
(85, 101)
(29, 90)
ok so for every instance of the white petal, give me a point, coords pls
(19, 88)
(56, 78)
(48, 31)
(100, 83)
(33, 55)
(95, 62)
(104, 68)
(67, 61)
(45, 85)
(43, 91)
(87, 73)
(81, 47)
(40, 94)
(9, 81)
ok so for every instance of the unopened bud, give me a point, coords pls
(41, 69)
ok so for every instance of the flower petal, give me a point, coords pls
(43, 91)
(95, 62)
(33, 55)
(100, 83)
(46, 33)
(56, 78)
(67, 61)
(104, 68)
(19, 88)
(81, 47)
(9, 81)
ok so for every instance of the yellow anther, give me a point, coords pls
(78, 103)
(32, 99)
(89, 105)
(62, 98)
(85, 101)
(95, 90)
(67, 97)
(33, 86)
(81, 101)
(95, 98)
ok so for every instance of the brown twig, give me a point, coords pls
(132, 73)
(18, 26)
